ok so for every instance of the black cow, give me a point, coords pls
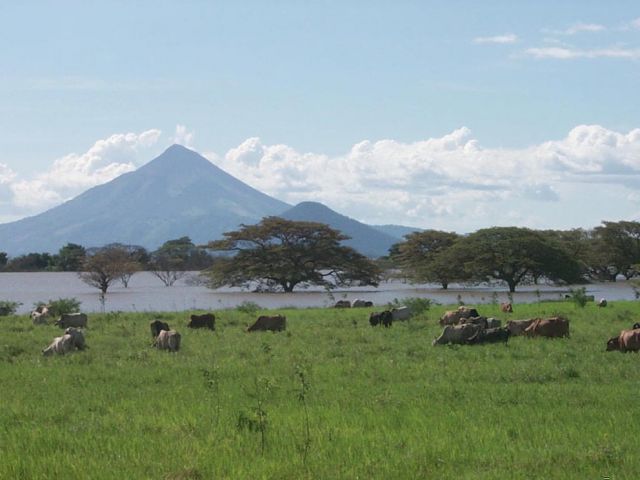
(275, 323)
(207, 320)
(381, 318)
(156, 326)
(490, 335)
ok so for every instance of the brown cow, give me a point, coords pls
(506, 307)
(264, 323)
(453, 317)
(517, 327)
(207, 320)
(549, 327)
(482, 321)
(627, 341)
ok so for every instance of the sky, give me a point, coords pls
(452, 115)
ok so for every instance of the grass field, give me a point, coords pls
(329, 398)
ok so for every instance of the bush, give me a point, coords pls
(415, 304)
(63, 305)
(578, 296)
(248, 307)
(8, 307)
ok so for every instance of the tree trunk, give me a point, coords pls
(512, 285)
(445, 285)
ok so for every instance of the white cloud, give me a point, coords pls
(635, 23)
(584, 27)
(568, 53)
(183, 136)
(500, 39)
(74, 173)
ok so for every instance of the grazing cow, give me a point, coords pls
(381, 318)
(342, 304)
(264, 323)
(453, 317)
(72, 320)
(40, 315)
(361, 303)
(506, 307)
(168, 340)
(401, 313)
(493, 323)
(635, 326)
(71, 340)
(156, 326)
(490, 335)
(627, 341)
(549, 327)
(482, 321)
(457, 334)
(602, 302)
(207, 320)
(517, 327)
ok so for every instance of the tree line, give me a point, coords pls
(278, 254)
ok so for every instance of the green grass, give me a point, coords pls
(382, 403)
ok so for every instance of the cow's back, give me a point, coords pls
(264, 323)
(629, 340)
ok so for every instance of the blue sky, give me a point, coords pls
(314, 81)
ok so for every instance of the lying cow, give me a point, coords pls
(264, 323)
(517, 327)
(490, 335)
(482, 321)
(506, 307)
(493, 323)
(156, 326)
(453, 317)
(71, 340)
(342, 304)
(361, 303)
(381, 318)
(627, 341)
(72, 320)
(457, 334)
(168, 340)
(40, 317)
(401, 313)
(602, 302)
(207, 320)
(553, 327)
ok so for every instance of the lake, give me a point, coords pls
(148, 293)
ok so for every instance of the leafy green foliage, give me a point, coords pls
(283, 254)
(70, 258)
(248, 307)
(579, 296)
(63, 305)
(7, 307)
(417, 305)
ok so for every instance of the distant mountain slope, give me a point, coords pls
(178, 193)
(398, 231)
(365, 239)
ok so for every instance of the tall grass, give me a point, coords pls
(336, 398)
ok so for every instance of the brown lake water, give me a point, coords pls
(148, 293)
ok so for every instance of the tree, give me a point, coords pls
(284, 254)
(4, 258)
(131, 258)
(618, 247)
(514, 255)
(70, 257)
(104, 266)
(175, 257)
(31, 262)
(422, 257)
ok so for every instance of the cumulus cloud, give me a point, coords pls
(500, 39)
(584, 27)
(74, 173)
(183, 136)
(569, 53)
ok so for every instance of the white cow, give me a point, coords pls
(168, 340)
(457, 334)
(401, 313)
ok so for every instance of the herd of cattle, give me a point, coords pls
(463, 326)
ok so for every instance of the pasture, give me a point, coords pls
(331, 397)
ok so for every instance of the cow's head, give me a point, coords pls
(613, 344)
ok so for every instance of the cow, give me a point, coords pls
(168, 340)
(493, 323)
(68, 342)
(490, 335)
(342, 304)
(381, 318)
(264, 323)
(506, 307)
(156, 326)
(627, 341)
(602, 302)
(401, 313)
(453, 317)
(457, 334)
(517, 327)
(72, 320)
(635, 326)
(361, 303)
(482, 321)
(207, 320)
(40, 315)
(549, 327)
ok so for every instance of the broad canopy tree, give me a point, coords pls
(284, 254)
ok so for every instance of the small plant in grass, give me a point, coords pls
(416, 305)
(537, 294)
(494, 298)
(212, 384)
(63, 305)
(459, 298)
(510, 297)
(7, 307)
(578, 296)
(303, 389)
(256, 420)
(248, 307)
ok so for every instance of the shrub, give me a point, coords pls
(8, 307)
(578, 296)
(63, 305)
(416, 305)
(248, 307)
